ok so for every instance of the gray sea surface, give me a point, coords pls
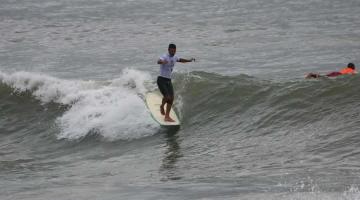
(74, 125)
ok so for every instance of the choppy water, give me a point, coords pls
(74, 125)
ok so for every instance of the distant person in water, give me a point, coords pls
(350, 69)
(167, 63)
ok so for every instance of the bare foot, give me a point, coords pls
(312, 75)
(162, 111)
(168, 119)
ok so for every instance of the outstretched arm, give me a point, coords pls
(182, 60)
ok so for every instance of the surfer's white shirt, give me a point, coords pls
(166, 69)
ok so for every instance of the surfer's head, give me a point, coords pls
(172, 49)
(351, 65)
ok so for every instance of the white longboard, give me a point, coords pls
(153, 102)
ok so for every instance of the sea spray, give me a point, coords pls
(114, 110)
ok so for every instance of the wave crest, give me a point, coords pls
(113, 108)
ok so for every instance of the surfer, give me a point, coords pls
(167, 62)
(350, 69)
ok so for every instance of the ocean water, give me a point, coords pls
(74, 125)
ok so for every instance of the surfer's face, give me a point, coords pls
(172, 51)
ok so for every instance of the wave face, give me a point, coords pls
(249, 104)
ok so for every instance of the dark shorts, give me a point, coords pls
(165, 86)
(333, 74)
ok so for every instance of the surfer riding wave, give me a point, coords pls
(167, 63)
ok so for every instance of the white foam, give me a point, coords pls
(115, 110)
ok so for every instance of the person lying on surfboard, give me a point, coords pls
(167, 63)
(350, 69)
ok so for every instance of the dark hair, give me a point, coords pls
(351, 65)
(172, 46)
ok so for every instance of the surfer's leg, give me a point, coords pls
(169, 102)
(162, 111)
(162, 85)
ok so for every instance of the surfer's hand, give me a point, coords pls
(162, 62)
(192, 59)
